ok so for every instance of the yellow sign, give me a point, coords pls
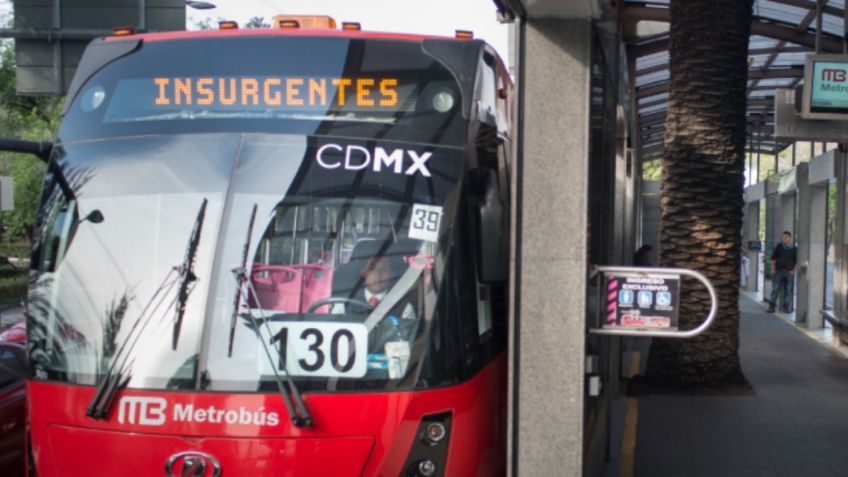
(362, 92)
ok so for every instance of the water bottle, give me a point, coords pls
(396, 325)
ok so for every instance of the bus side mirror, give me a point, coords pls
(491, 232)
(95, 217)
(41, 149)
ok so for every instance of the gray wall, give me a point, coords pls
(803, 237)
(815, 274)
(751, 234)
(548, 324)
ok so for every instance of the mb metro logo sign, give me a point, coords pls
(156, 411)
(144, 411)
(192, 464)
(834, 75)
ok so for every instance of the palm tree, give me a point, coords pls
(702, 183)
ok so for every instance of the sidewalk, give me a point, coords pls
(795, 424)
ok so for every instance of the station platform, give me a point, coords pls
(792, 423)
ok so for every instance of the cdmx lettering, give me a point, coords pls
(357, 158)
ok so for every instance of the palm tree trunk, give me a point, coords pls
(702, 185)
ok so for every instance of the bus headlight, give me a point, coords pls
(434, 432)
(429, 452)
(426, 468)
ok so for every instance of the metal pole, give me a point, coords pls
(142, 16)
(839, 273)
(58, 65)
(819, 8)
(793, 154)
(845, 29)
(759, 164)
(753, 173)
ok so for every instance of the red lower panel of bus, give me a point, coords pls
(250, 434)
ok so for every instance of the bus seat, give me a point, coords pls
(317, 284)
(277, 287)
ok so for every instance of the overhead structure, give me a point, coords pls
(50, 36)
(783, 32)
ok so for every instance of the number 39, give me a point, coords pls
(426, 220)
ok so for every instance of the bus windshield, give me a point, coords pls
(217, 259)
(364, 88)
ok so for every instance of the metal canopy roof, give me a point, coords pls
(783, 32)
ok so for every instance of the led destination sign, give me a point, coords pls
(376, 93)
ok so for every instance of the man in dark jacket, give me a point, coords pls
(783, 260)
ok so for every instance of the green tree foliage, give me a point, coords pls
(652, 170)
(27, 172)
(23, 117)
(257, 22)
(206, 23)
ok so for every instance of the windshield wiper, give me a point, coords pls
(187, 272)
(241, 274)
(116, 376)
(299, 417)
(98, 407)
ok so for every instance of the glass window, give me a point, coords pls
(344, 273)
(11, 368)
(767, 166)
(215, 251)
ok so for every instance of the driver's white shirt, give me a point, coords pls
(408, 311)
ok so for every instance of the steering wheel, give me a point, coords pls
(339, 299)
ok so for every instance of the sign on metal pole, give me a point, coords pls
(50, 35)
(789, 124)
(640, 301)
(825, 93)
(7, 194)
(637, 300)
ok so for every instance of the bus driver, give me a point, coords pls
(378, 275)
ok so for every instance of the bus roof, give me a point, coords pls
(251, 32)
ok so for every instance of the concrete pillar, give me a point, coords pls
(815, 274)
(547, 332)
(839, 279)
(786, 217)
(785, 220)
(751, 234)
(803, 236)
(772, 238)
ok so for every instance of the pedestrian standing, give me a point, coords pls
(642, 257)
(783, 261)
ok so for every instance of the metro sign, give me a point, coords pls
(144, 411)
(825, 90)
(834, 75)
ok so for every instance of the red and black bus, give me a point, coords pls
(273, 252)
